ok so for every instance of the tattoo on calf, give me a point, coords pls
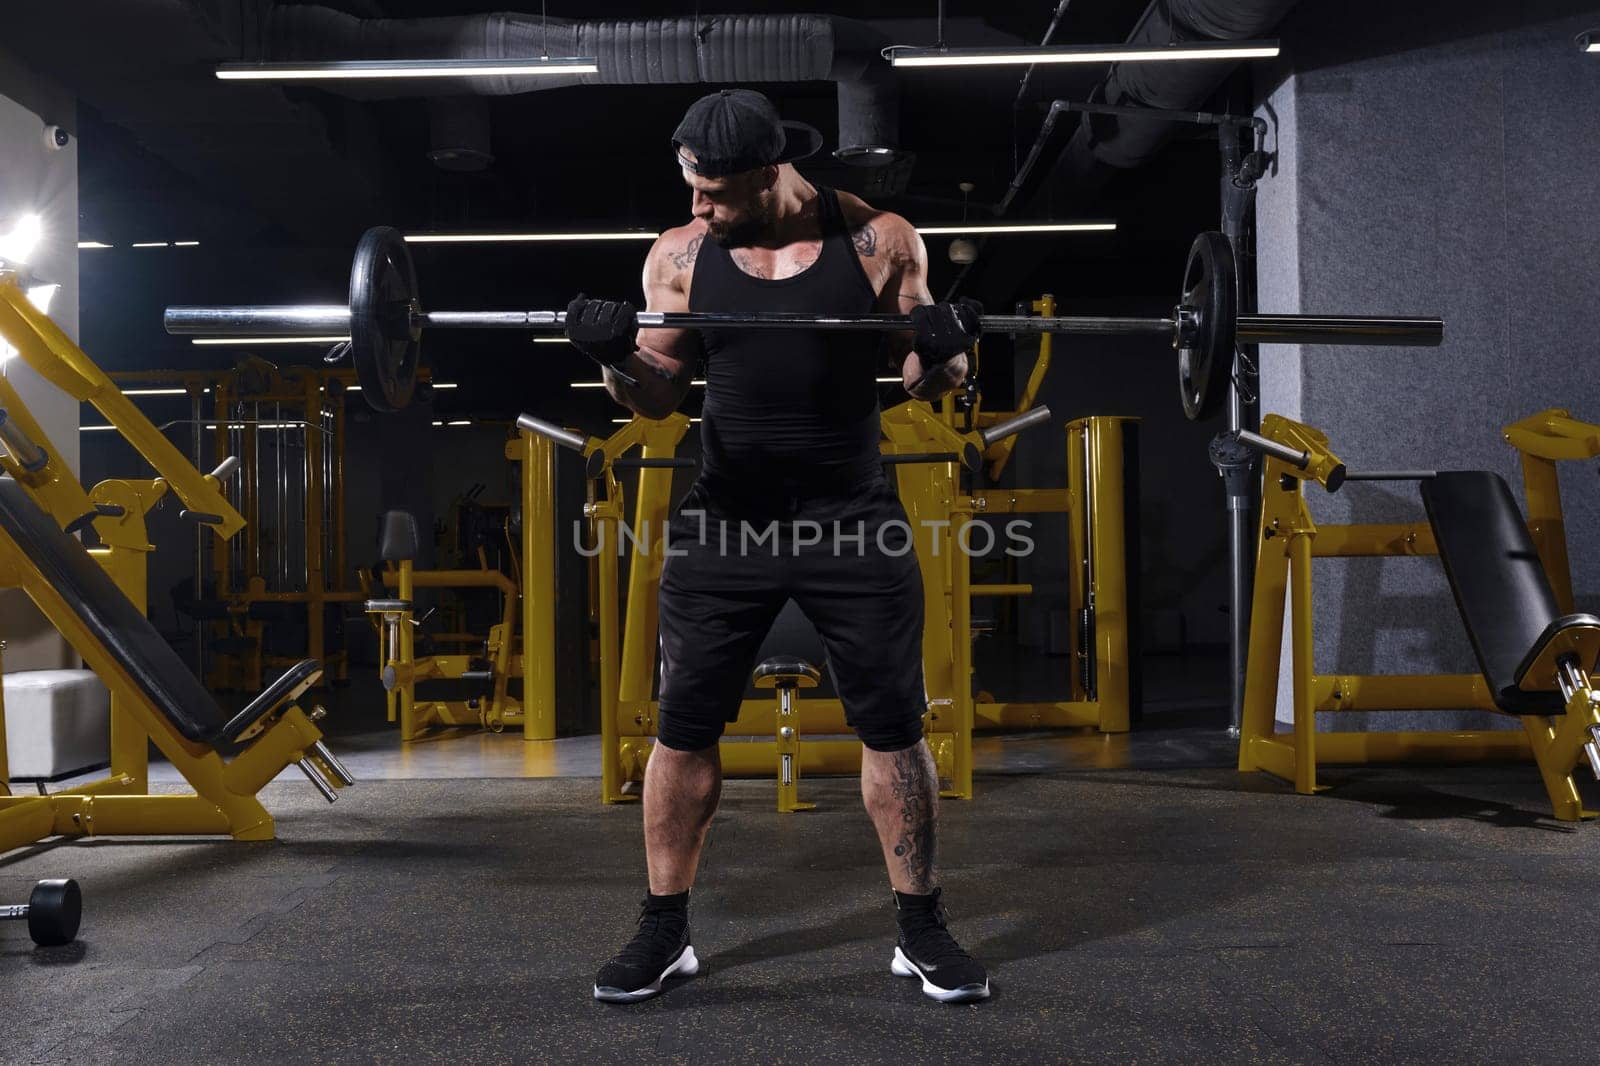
(915, 787)
(685, 259)
(865, 238)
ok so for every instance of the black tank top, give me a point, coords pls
(789, 412)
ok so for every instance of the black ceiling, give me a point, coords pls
(156, 135)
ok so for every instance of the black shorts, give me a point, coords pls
(849, 563)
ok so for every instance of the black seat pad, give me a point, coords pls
(1499, 582)
(271, 696)
(121, 627)
(782, 666)
(400, 539)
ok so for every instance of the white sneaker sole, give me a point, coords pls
(686, 965)
(902, 966)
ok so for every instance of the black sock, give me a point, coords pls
(678, 901)
(909, 904)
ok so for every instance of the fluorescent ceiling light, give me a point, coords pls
(460, 422)
(17, 245)
(93, 244)
(1589, 41)
(701, 383)
(981, 229)
(520, 238)
(95, 429)
(186, 244)
(267, 340)
(549, 340)
(625, 421)
(156, 392)
(1114, 53)
(406, 68)
(436, 384)
(148, 244)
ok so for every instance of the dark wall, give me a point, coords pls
(1445, 166)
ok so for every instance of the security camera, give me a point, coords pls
(56, 138)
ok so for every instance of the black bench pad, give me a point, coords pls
(303, 672)
(1499, 583)
(104, 610)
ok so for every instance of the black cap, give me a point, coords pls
(735, 130)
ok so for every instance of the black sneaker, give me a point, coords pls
(927, 950)
(657, 951)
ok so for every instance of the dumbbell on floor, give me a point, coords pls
(53, 911)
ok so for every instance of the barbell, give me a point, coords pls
(384, 320)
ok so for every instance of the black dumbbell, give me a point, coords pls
(53, 911)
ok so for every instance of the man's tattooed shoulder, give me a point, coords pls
(865, 238)
(685, 258)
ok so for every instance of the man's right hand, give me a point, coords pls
(603, 330)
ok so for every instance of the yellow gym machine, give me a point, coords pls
(96, 600)
(928, 454)
(1511, 582)
(287, 427)
(402, 669)
(521, 645)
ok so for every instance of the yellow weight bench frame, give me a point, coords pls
(46, 499)
(1288, 542)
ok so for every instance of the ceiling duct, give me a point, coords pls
(710, 48)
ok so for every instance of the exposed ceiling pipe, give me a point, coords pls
(710, 48)
(1091, 149)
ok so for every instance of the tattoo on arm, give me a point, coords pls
(685, 259)
(917, 789)
(865, 238)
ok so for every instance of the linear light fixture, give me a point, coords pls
(456, 422)
(158, 392)
(625, 421)
(1589, 41)
(94, 244)
(522, 238)
(436, 384)
(901, 56)
(148, 244)
(550, 340)
(701, 383)
(186, 244)
(336, 70)
(267, 340)
(981, 229)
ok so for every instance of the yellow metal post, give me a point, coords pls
(1303, 651)
(1109, 573)
(539, 537)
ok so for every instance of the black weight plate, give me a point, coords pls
(1210, 294)
(384, 345)
(54, 910)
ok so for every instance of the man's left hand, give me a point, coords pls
(946, 330)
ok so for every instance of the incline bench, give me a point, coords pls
(127, 637)
(1535, 660)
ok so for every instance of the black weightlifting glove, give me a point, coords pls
(603, 329)
(946, 330)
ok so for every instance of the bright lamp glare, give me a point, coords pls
(18, 244)
(41, 295)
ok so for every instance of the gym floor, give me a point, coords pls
(1135, 898)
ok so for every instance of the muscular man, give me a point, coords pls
(790, 451)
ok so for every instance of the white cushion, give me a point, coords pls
(57, 722)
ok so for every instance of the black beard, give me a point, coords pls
(741, 235)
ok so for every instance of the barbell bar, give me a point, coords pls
(1251, 328)
(385, 319)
